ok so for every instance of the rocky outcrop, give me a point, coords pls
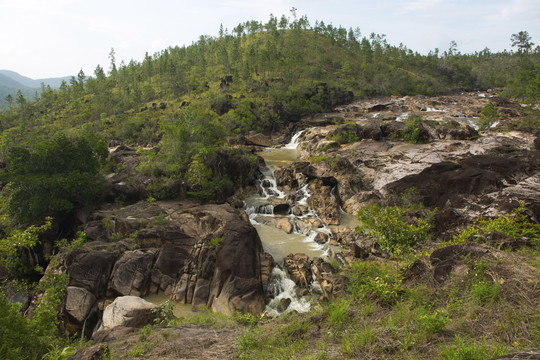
(299, 268)
(129, 311)
(201, 255)
(325, 203)
(90, 270)
(448, 183)
(78, 303)
(131, 273)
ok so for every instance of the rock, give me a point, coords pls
(380, 107)
(78, 303)
(258, 140)
(200, 293)
(283, 304)
(523, 355)
(90, 270)
(325, 204)
(267, 265)
(446, 260)
(298, 266)
(320, 238)
(306, 225)
(456, 132)
(129, 311)
(280, 222)
(372, 130)
(234, 275)
(131, 274)
(282, 209)
(393, 129)
(94, 352)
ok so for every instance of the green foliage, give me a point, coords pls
(483, 290)
(217, 241)
(17, 241)
(165, 313)
(488, 115)
(390, 227)
(337, 313)
(434, 322)
(54, 177)
(245, 318)
(373, 280)
(462, 349)
(16, 338)
(66, 247)
(413, 129)
(515, 224)
(30, 339)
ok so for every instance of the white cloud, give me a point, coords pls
(422, 5)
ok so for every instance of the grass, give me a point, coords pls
(486, 312)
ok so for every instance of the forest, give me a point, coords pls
(186, 108)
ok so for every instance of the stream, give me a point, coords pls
(276, 241)
(285, 295)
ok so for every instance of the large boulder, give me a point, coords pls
(225, 275)
(131, 273)
(236, 283)
(90, 270)
(129, 311)
(78, 303)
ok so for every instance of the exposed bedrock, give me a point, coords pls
(198, 254)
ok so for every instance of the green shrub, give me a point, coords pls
(165, 313)
(434, 322)
(515, 224)
(462, 349)
(372, 279)
(32, 338)
(483, 290)
(55, 177)
(413, 129)
(388, 225)
(488, 116)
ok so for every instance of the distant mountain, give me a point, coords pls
(11, 82)
(31, 83)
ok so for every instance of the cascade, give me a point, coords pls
(259, 207)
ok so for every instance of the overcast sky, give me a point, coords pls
(50, 38)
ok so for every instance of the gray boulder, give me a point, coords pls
(129, 311)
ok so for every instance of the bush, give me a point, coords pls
(515, 224)
(488, 116)
(372, 279)
(389, 226)
(414, 131)
(30, 339)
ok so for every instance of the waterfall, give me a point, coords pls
(286, 296)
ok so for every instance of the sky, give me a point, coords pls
(52, 38)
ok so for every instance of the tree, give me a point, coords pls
(9, 100)
(523, 42)
(55, 177)
(20, 99)
(112, 57)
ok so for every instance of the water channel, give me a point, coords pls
(276, 241)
